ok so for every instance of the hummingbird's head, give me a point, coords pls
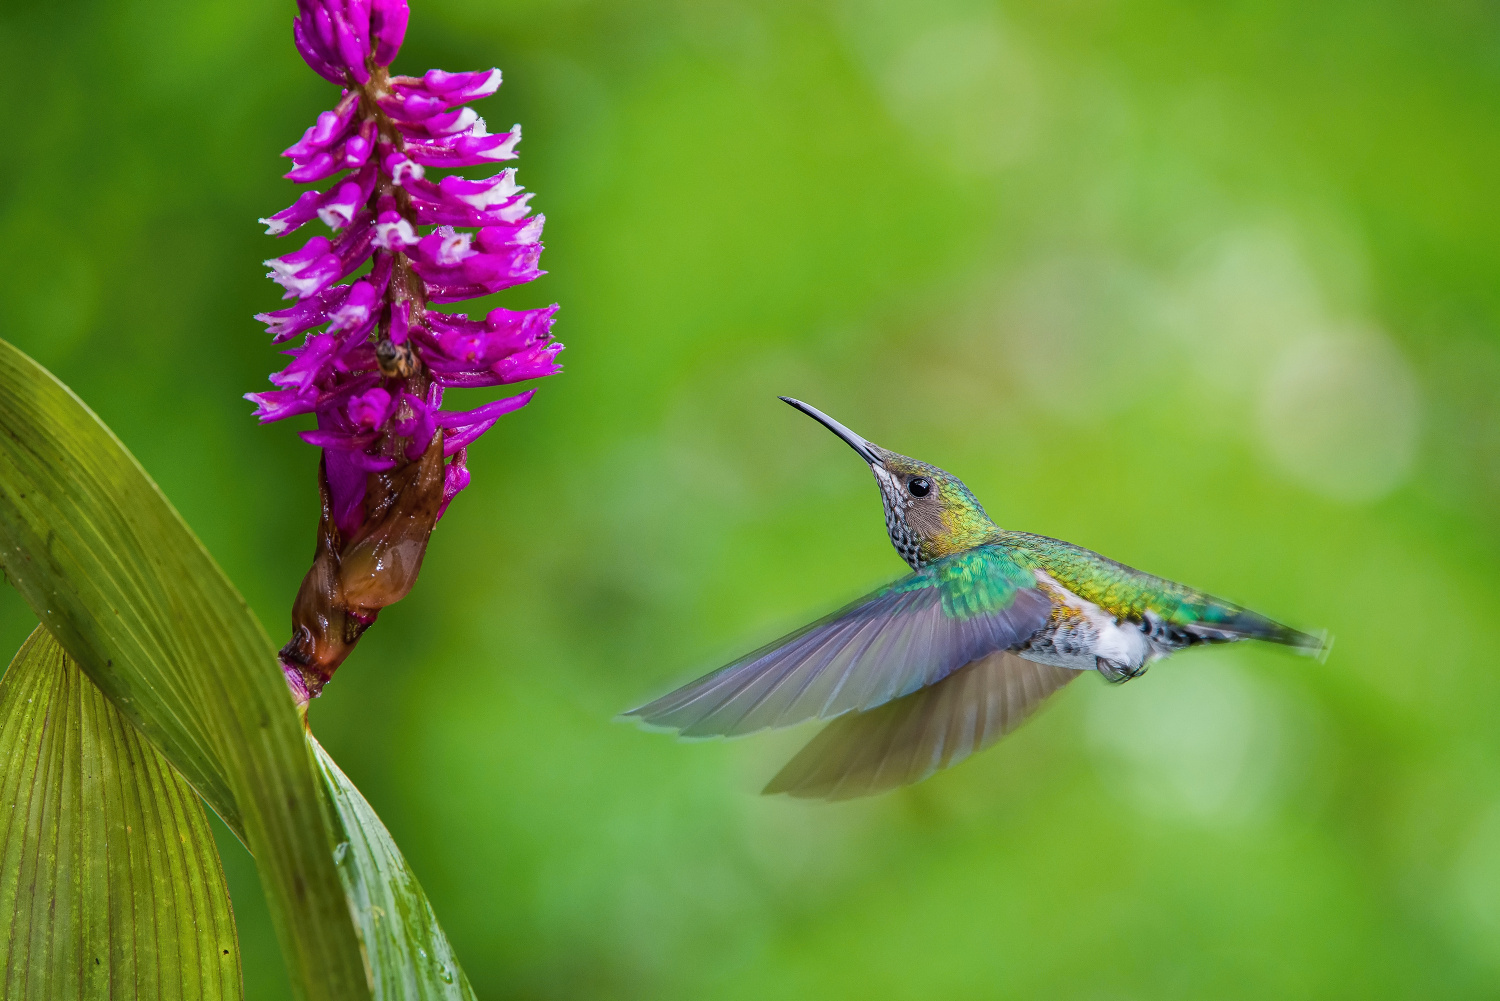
(928, 512)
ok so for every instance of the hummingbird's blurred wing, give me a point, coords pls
(907, 635)
(907, 740)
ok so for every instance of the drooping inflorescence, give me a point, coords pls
(375, 355)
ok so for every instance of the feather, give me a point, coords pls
(907, 740)
(908, 635)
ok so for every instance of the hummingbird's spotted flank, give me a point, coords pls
(943, 662)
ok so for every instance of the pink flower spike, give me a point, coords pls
(377, 352)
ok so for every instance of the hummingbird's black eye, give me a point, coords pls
(920, 486)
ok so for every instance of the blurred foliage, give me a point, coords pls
(1206, 287)
(112, 887)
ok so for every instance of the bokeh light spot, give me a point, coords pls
(1339, 414)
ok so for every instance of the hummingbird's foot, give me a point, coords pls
(1116, 673)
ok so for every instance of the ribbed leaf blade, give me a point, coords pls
(117, 577)
(110, 885)
(408, 951)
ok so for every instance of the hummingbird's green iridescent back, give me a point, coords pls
(923, 672)
(1138, 597)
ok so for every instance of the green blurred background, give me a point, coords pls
(1208, 287)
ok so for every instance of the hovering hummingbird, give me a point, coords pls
(945, 661)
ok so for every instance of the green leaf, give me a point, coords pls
(409, 953)
(115, 575)
(110, 885)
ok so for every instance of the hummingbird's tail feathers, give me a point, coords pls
(907, 740)
(1247, 625)
(1324, 648)
(904, 637)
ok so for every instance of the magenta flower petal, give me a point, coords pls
(444, 123)
(481, 195)
(393, 232)
(400, 322)
(465, 379)
(307, 271)
(536, 363)
(488, 412)
(460, 88)
(279, 404)
(309, 363)
(358, 147)
(340, 203)
(313, 52)
(522, 326)
(304, 209)
(388, 25)
(357, 310)
(332, 127)
(460, 440)
(338, 440)
(371, 408)
(285, 324)
(470, 148)
(315, 168)
(455, 478)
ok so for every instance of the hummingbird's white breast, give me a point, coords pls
(1082, 636)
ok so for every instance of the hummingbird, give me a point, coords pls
(922, 673)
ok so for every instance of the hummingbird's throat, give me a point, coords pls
(894, 497)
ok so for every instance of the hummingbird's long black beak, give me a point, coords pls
(854, 441)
